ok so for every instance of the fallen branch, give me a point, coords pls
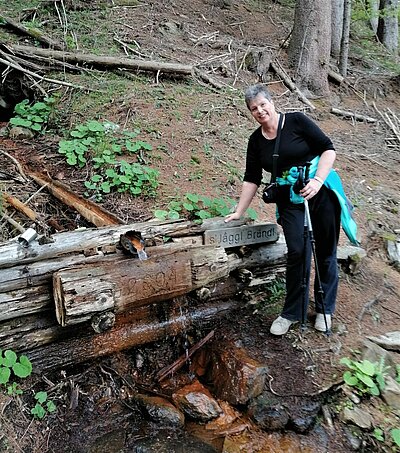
(12, 222)
(286, 80)
(356, 116)
(19, 206)
(17, 164)
(166, 371)
(32, 32)
(389, 122)
(41, 78)
(89, 210)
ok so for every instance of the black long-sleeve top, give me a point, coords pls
(301, 141)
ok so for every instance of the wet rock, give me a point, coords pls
(305, 416)
(197, 402)
(234, 376)
(113, 442)
(391, 393)
(389, 340)
(20, 133)
(169, 442)
(357, 416)
(268, 413)
(160, 410)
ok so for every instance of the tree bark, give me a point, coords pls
(345, 42)
(388, 27)
(337, 27)
(310, 44)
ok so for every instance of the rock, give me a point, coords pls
(391, 393)
(168, 442)
(375, 354)
(393, 251)
(235, 377)
(268, 413)
(354, 439)
(304, 417)
(350, 258)
(20, 133)
(357, 416)
(390, 340)
(197, 402)
(160, 410)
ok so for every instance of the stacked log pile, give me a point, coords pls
(76, 295)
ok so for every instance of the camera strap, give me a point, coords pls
(276, 150)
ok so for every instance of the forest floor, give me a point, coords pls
(198, 136)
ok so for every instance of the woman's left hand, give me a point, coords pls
(311, 189)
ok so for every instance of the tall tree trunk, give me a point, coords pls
(388, 31)
(337, 27)
(373, 9)
(310, 45)
(344, 47)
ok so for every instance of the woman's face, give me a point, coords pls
(262, 109)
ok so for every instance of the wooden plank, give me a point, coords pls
(243, 235)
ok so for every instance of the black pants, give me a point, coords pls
(325, 219)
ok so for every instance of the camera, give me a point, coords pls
(270, 193)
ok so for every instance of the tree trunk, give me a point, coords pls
(337, 27)
(310, 44)
(373, 10)
(388, 27)
(345, 44)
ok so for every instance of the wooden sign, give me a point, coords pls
(243, 235)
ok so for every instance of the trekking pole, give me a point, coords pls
(308, 225)
(299, 184)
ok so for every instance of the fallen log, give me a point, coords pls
(31, 31)
(79, 241)
(356, 116)
(292, 87)
(25, 302)
(126, 335)
(104, 61)
(81, 293)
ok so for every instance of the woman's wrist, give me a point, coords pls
(320, 180)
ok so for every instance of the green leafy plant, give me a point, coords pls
(101, 144)
(198, 208)
(378, 434)
(43, 405)
(12, 366)
(35, 116)
(395, 433)
(398, 373)
(365, 376)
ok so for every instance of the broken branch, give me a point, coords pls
(164, 372)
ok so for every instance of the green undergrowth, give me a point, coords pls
(15, 368)
(198, 207)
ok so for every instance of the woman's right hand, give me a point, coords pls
(233, 216)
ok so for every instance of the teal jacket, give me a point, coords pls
(334, 183)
